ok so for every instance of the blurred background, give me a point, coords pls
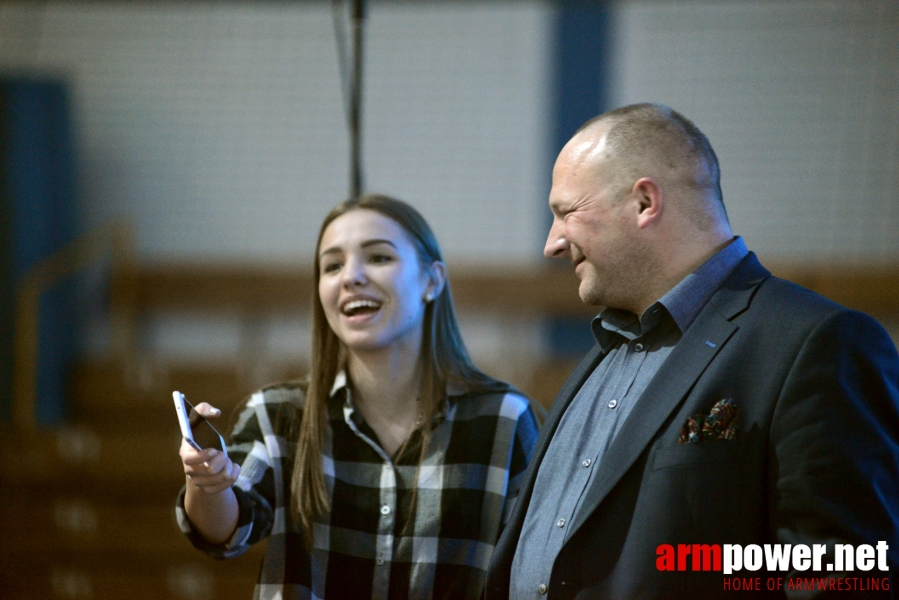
(165, 166)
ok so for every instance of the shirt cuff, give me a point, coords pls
(233, 547)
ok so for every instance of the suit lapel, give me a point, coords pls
(708, 334)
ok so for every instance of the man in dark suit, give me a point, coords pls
(721, 408)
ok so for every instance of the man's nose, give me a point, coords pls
(556, 244)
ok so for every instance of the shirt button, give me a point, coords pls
(613, 403)
(541, 589)
(638, 347)
(587, 462)
(561, 523)
(385, 510)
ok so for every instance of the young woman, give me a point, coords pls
(389, 470)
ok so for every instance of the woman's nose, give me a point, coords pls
(353, 273)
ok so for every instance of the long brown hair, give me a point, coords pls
(444, 361)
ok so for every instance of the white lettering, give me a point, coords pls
(845, 557)
(818, 550)
(882, 548)
(801, 557)
(864, 557)
(732, 558)
(752, 557)
(777, 556)
(780, 557)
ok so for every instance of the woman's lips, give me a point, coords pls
(361, 317)
(359, 309)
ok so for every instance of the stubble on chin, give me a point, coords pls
(610, 291)
(589, 292)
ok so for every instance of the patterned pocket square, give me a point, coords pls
(719, 424)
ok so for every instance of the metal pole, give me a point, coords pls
(356, 101)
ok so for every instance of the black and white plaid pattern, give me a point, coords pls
(369, 545)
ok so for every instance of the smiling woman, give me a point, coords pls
(390, 469)
(373, 286)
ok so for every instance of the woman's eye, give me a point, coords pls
(330, 267)
(380, 258)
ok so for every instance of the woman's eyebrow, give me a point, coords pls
(368, 243)
(365, 244)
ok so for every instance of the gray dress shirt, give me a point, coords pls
(634, 350)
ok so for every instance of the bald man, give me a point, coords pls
(720, 409)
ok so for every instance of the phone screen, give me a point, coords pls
(202, 433)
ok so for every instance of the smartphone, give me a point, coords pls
(198, 432)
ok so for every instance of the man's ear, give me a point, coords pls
(436, 280)
(650, 200)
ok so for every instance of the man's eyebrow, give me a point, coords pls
(364, 244)
(555, 208)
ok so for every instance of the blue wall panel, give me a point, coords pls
(581, 66)
(38, 208)
(581, 72)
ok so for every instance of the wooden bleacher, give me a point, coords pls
(88, 508)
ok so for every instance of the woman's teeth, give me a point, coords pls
(357, 306)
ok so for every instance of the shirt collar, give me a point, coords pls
(683, 302)
(341, 400)
(687, 298)
(340, 382)
(341, 388)
(614, 322)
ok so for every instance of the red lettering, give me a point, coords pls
(707, 557)
(665, 560)
(683, 551)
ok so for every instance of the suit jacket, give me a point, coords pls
(815, 460)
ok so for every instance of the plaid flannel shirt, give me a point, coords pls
(369, 545)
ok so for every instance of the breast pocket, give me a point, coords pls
(704, 485)
(694, 455)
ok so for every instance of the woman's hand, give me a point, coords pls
(209, 470)
(209, 501)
